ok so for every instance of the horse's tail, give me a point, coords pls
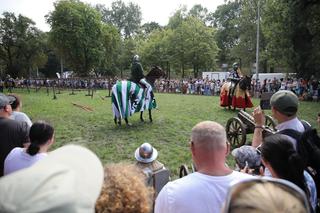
(115, 101)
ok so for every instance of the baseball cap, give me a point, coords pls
(249, 154)
(146, 153)
(69, 179)
(6, 100)
(285, 102)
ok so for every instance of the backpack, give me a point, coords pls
(308, 147)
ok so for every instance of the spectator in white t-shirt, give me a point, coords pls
(16, 114)
(41, 138)
(205, 190)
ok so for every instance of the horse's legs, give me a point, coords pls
(150, 115)
(127, 122)
(141, 116)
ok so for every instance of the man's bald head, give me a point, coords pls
(209, 135)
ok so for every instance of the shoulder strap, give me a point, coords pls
(306, 125)
(290, 132)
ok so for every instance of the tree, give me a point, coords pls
(275, 22)
(111, 43)
(200, 44)
(155, 49)
(199, 12)
(147, 28)
(305, 16)
(77, 33)
(127, 18)
(21, 45)
(226, 20)
(177, 18)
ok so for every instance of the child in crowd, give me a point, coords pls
(41, 138)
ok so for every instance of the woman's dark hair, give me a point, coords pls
(16, 103)
(40, 133)
(279, 152)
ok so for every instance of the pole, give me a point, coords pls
(61, 67)
(257, 49)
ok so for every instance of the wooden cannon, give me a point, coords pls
(238, 127)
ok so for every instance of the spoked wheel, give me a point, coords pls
(236, 132)
(270, 123)
(184, 171)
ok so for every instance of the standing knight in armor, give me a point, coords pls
(137, 74)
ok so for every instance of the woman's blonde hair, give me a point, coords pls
(124, 190)
(264, 197)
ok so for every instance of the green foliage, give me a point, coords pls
(22, 45)
(193, 44)
(199, 12)
(225, 19)
(155, 49)
(305, 16)
(127, 18)
(169, 132)
(148, 28)
(279, 51)
(111, 53)
(82, 40)
(103, 40)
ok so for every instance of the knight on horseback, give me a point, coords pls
(234, 76)
(137, 75)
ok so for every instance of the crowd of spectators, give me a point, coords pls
(72, 178)
(304, 89)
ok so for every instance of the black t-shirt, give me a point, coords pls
(12, 134)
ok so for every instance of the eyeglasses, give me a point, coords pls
(283, 184)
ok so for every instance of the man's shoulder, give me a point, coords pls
(235, 175)
(12, 125)
(7, 122)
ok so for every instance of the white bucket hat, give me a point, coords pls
(69, 179)
(146, 153)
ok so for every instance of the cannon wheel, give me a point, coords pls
(270, 122)
(184, 171)
(236, 132)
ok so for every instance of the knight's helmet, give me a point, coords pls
(235, 66)
(146, 153)
(136, 58)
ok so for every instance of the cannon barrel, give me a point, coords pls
(249, 121)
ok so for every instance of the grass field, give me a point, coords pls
(169, 133)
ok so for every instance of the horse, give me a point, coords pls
(129, 97)
(237, 97)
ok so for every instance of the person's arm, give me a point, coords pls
(259, 120)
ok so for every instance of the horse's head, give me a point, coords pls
(245, 83)
(155, 73)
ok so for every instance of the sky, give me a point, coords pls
(152, 10)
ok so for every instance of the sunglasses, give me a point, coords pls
(287, 186)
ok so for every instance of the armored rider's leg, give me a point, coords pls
(148, 87)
